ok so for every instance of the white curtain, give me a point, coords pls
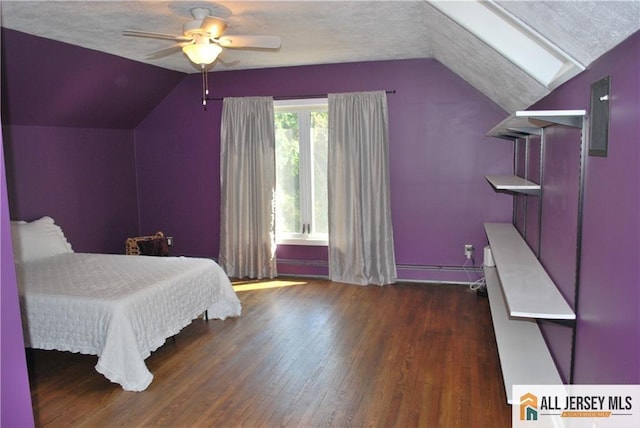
(248, 178)
(360, 232)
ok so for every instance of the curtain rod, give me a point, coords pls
(294, 97)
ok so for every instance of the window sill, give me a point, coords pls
(311, 242)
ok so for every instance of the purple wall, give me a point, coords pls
(83, 178)
(58, 84)
(558, 240)
(520, 199)
(533, 202)
(15, 396)
(438, 157)
(177, 163)
(69, 136)
(607, 346)
(558, 237)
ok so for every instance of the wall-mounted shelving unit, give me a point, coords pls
(520, 125)
(520, 290)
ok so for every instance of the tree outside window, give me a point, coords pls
(301, 128)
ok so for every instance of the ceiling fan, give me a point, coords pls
(203, 40)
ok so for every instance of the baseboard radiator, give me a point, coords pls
(406, 272)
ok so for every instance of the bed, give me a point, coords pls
(118, 307)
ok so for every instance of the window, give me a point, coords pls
(301, 128)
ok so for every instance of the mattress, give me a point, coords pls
(120, 308)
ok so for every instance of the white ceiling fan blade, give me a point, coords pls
(150, 35)
(256, 42)
(213, 26)
(166, 52)
(228, 63)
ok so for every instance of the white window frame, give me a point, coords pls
(306, 184)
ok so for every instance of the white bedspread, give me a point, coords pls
(118, 307)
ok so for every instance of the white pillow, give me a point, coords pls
(37, 240)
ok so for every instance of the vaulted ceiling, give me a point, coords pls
(515, 52)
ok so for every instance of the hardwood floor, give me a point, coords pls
(304, 353)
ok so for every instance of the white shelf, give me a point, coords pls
(531, 122)
(513, 183)
(524, 356)
(545, 118)
(529, 291)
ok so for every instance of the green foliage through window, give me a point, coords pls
(301, 171)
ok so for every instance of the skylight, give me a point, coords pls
(514, 39)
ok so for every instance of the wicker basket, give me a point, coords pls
(132, 243)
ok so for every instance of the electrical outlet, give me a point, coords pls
(468, 251)
(170, 241)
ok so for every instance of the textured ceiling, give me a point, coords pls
(323, 32)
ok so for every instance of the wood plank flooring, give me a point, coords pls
(304, 353)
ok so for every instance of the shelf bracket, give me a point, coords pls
(566, 323)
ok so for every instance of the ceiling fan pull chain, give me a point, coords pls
(205, 89)
(206, 82)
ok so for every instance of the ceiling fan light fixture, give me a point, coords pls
(202, 54)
